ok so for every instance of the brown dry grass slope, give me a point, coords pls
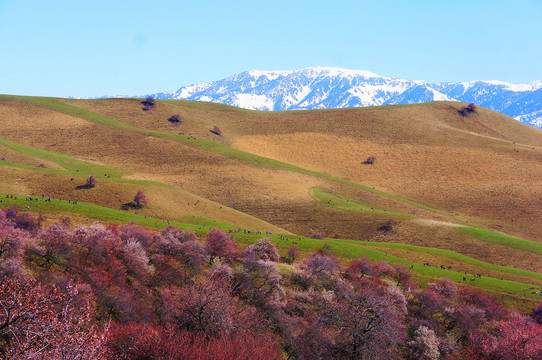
(484, 169)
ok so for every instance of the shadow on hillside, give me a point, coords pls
(85, 186)
(131, 206)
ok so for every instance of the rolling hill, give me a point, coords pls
(464, 191)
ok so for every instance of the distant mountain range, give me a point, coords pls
(327, 88)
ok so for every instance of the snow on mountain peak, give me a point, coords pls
(322, 87)
(335, 71)
(271, 75)
(314, 71)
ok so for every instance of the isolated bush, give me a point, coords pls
(149, 102)
(469, 109)
(140, 199)
(370, 160)
(388, 227)
(175, 119)
(66, 222)
(90, 182)
(216, 130)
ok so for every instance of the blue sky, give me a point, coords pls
(95, 48)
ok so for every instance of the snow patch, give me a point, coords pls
(253, 101)
(438, 96)
(506, 85)
(370, 95)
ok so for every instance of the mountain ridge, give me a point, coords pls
(329, 87)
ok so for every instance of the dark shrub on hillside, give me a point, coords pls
(216, 130)
(149, 101)
(388, 227)
(370, 160)
(140, 200)
(467, 110)
(175, 119)
(90, 182)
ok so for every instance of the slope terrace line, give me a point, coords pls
(207, 145)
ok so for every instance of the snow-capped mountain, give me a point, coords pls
(326, 88)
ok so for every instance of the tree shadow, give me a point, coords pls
(130, 206)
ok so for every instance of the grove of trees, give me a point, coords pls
(120, 291)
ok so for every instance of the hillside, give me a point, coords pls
(443, 178)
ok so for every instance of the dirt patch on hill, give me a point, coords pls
(26, 117)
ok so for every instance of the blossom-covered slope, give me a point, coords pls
(326, 88)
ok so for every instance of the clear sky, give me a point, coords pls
(94, 47)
